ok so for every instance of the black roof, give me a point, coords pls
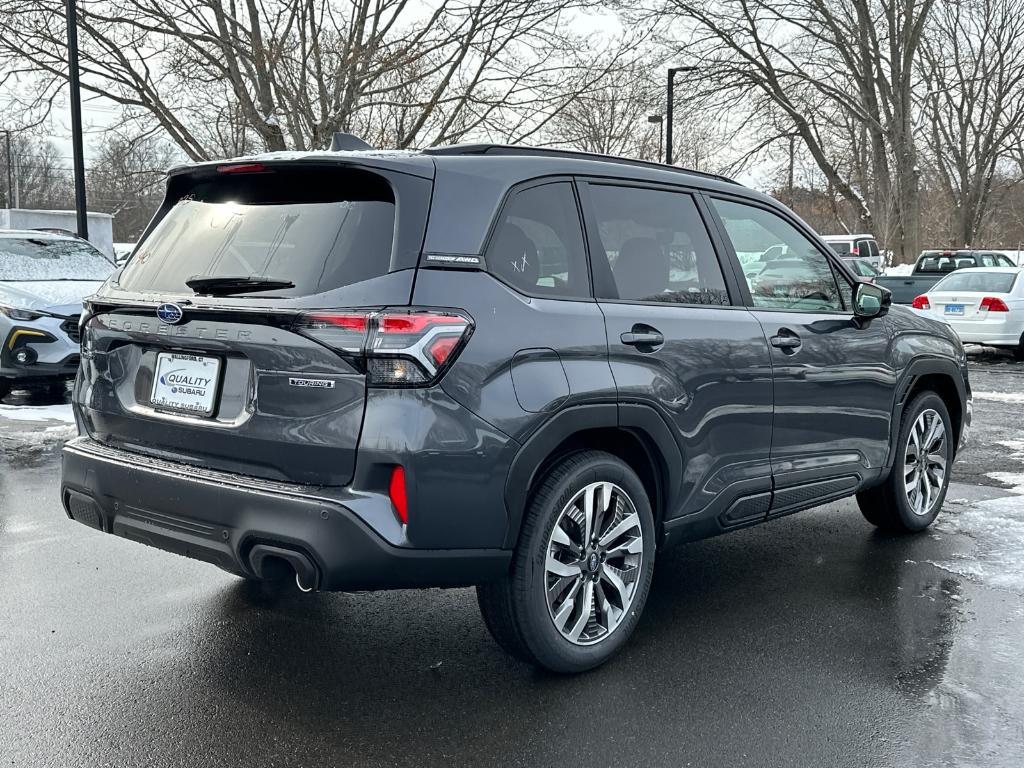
(508, 149)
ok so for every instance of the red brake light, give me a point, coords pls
(441, 349)
(921, 302)
(994, 304)
(415, 323)
(341, 330)
(354, 322)
(396, 491)
(242, 168)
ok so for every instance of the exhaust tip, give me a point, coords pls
(273, 562)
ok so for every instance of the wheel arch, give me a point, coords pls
(637, 434)
(939, 375)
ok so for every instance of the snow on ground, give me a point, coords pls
(27, 426)
(60, 412)
(899, 270)
(997, 527)
(1002, 397)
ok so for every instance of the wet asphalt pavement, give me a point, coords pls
(811, 641)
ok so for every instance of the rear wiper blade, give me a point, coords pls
(225, 286)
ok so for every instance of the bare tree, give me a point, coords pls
(830, 72)
(611, 119)
(973, 67)
(126, 179)
(279, 74)
(38, 172)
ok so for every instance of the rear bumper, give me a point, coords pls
(997, 333)
(219, 518)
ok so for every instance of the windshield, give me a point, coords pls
(314, 229)
(43, 258)
(980, 282)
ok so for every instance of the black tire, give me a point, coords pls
(888, 505)
(5, 388)
(515, 609)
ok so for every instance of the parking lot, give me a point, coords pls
(815, 640)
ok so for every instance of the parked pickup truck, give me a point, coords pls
(932, 266)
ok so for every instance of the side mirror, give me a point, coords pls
(870, 300)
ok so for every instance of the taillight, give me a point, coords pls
(921, 302)
(397, 494)
(345, 331)
(401, 348)
(994, 304)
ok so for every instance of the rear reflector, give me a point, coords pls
(396, 491)
(921, 302)
(994, 304)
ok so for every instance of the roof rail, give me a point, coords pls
(572, 154)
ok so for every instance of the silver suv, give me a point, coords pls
(43, 279)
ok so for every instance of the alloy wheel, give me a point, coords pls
(924, 463)
(594, 558)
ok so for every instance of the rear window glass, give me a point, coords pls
(840, 248)
(982, 282)
(318, 228)
(44, 258)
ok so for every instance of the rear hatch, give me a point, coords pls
(197, 351)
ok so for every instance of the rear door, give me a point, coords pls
(681, 343)
(225, 377)
(834, 381)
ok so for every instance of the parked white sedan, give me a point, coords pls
(984, 305)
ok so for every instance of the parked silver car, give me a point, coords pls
(43, 278)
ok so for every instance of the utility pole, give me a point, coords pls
(10, 184)
(76, 119)
(792, 162)
(668, 111)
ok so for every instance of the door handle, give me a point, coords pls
(789, 341)
(642, 336)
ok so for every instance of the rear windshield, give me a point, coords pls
(982, 282)
(44, 258)
(318, 228)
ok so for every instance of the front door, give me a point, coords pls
(834, 384)
(681, 343)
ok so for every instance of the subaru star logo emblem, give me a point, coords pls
(169, 313)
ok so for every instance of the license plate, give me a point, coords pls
(185, 382)
(954, 309)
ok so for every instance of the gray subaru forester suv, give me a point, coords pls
(524, 370)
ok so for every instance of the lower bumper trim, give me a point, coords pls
(223, 523)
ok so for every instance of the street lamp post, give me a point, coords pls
(76, 120)
(668, 111)
(660, 120)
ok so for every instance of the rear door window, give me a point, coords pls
(657, 247)
(537, 247)
(318, 228)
